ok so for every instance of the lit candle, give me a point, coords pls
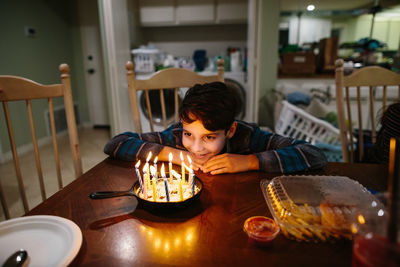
(191, 180)
(148, 169)
(139, 177)
(146, 184)
(146, 174)
(174, 173)
(170, 165)
(182, 168)
(187, 168)
(393, 189)
(153, 175)
(190, 162)
(155, 166)
(165, 181)
(392, 154)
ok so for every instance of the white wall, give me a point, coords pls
(264, 58)
(311, 29)
(115, 41)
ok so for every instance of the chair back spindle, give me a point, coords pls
(378, 82)
(164, 81)
(14, 88)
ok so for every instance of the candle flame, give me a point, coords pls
(162, 170)
(153, 170)
(170, 156)
(177, 175)
(392, 143)
(392, 155)
(148, 156)
(155, 160)
(392, 149)
(137, 164)
(181, 156)
(190, 160)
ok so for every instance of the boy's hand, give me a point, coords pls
(196, 166)
(230, 163)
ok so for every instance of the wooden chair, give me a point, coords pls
(168, 79)
(377, 81)
(13, 88)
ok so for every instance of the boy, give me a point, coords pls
(216, 142)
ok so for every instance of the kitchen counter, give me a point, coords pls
(304, 76)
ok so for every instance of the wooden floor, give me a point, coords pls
(91, 142)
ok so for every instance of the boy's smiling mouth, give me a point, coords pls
(200, 156)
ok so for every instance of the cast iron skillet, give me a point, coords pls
(150, 205)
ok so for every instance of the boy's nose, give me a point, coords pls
(197, 146)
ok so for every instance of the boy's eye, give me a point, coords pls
(187, 134)
(210, 137)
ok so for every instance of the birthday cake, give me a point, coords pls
(173, 188)
(161, 186)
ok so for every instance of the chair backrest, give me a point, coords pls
(14, 88)
(167, 79)
(366, 92)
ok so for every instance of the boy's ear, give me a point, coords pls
(232, 130)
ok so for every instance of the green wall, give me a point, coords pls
(57, 41)
(386, 29)
(267, 61)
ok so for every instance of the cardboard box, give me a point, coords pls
(298, 63)
(328, 53)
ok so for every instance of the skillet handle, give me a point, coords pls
(109, 194)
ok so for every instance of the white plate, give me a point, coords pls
(49, 240)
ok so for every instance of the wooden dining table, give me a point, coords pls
(119, 232)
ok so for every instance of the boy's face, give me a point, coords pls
(202, 143)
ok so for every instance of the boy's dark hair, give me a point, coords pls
(214, 104)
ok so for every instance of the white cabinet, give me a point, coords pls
(190, 12)
(195, 12)
(230, 11)
(157, 12)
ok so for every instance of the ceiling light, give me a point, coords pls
(310, 7)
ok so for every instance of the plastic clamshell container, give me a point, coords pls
(262, 230)
(316, 208)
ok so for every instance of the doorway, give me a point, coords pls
(93, 63)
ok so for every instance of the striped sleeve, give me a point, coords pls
(130, 146)
(280, 154)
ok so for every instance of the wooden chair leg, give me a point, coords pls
(4, 203)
